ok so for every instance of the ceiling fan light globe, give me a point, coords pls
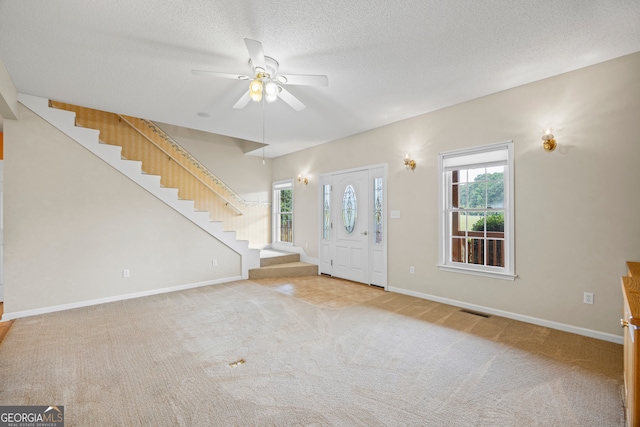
(271, 89)
(270, 98)
(257, 96)
(255, 86)
(255, 90)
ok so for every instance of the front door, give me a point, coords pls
(350, 218)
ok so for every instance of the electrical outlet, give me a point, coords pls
(412, 270)
(214, 263)
(588, 298)
(125, 273)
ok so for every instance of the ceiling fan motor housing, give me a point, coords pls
(271, 68)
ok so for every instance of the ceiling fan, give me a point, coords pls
(264, 80)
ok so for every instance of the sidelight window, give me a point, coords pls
(377, 209)
(283, 212)
(326, 211)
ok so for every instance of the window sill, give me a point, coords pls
(491, 274)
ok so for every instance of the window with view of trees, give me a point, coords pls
(283, 212)
(477, 216)
(477, 209)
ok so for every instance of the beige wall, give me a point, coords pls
(577, 208)
(72, 224)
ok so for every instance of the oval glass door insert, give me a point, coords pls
(349, 209)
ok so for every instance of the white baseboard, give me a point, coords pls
(79, 304)
(515, 316)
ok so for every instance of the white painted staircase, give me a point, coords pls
(90, 139)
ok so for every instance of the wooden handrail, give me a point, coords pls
(153, 131)
(177, 160)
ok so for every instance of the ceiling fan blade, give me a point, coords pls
(256, 53)
(216, 74)
(293, 102)
(305, 79)
(243, 101)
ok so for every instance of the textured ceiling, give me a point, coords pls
(386, 60)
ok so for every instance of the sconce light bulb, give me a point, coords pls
(409, 163)
(302, 180)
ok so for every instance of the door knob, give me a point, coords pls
(364, 233)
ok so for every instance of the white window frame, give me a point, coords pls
(482, 156)
(275, 227)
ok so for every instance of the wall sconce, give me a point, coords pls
(302, 180)
(409, 163)
(549, 143)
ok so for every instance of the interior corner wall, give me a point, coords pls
(73, 224)
(223, 155)
(8, 96)
(576, 219)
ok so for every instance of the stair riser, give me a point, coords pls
(284, 259)
(311, 270)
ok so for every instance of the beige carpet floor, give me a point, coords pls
(392, 361)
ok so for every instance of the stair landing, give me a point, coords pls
(281, 264)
